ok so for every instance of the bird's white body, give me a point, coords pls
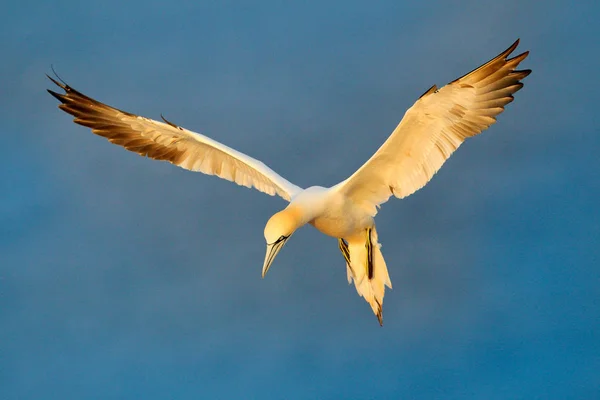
(335, 214)
(431, 130)
(331, 212)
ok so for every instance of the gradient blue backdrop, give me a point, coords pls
(122, 277)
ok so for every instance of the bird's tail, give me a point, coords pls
(368, 270)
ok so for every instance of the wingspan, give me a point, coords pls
(169, 142)
(433, 128)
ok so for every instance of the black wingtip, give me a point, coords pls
(58, 96)
(432, 89)
(169, 122)
(60, 85)
(57, 76)
(525, 72)
(512, 47)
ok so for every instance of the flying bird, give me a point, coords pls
(430, 131)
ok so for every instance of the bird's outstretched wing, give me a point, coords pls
(167, 141)
(433, 128)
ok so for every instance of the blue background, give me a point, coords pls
(122, 277)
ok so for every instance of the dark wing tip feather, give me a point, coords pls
(64, 86)
(104, 121)
(523, 55)
(170, 123)
(522, 73)
(57, 83)
(512, 48)
(58, 96)
(73, 99)
(502, 56)
(518, 58)
(429, 91)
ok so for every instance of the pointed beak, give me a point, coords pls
(272, 250)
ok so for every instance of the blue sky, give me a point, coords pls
(122, 277)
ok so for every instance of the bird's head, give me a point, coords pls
(278, 230)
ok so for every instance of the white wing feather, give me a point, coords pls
(167, 141)
(432, 129)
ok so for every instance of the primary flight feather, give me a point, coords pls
(431, 130)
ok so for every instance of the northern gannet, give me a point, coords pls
(431, 130)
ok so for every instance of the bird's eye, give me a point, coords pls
(281, 239)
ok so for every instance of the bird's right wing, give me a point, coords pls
(432, 129)
(167, 141)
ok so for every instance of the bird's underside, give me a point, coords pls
(430, 131)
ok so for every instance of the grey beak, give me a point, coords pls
(272, 250)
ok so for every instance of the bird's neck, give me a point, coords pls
(299, 214)
(308, 205)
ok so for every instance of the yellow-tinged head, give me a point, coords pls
(278, 230)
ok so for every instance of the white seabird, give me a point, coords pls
(431, 130)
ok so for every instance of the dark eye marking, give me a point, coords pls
(281, 239)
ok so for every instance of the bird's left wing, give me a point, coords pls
(432, 129)
(169, 142)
